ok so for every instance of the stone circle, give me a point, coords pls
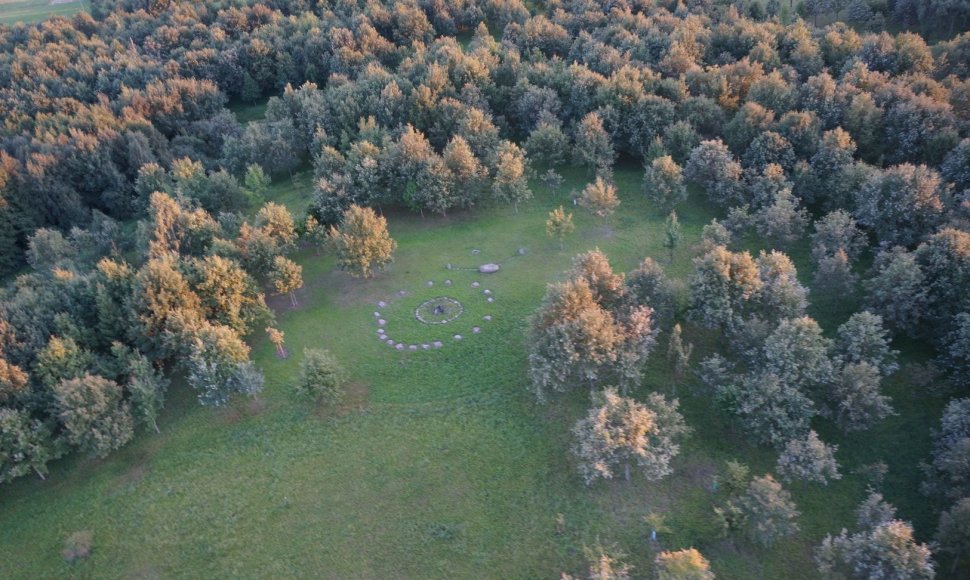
(434, 311)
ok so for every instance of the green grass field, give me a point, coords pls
(438, 464)
(26, 11)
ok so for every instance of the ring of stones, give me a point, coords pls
(444, 309)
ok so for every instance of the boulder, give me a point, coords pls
(489, 268)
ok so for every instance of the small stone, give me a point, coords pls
(448, 266)
(487, 318)
(425, 346)
(522, 251)
(476, 329)
(382, 304)
(413, 347)
(430, 283)
(490, 299)
(486, 291)
(381, 322)
(475, 284)
(489, 268)
(380, 331)
(476, 251)
(447, 282)
(457, 337)
(390, 341)
(399, 346)
(402, 292)
(438, 344)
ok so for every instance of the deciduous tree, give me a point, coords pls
(362, 242)
(321, 377)
(618, 432)
(559, 225)
(96, 418)
(809, 459)
(686, 564)
(287, 277)
(663, 183)
(599, 198)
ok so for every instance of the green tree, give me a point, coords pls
(362, 242)
(767, 511)
(672, 234)
(678, 356)
(647, 284)
(896, 289)
(663, 183)
(593, 146)
(618, 431)
(857, 401)
(953, 532)
(95, 417)
(887, 550)
(948, 475)
(146, 385)
(862, 338)
(321, 376)
(25, 444)
(771, 409)
(216, 353)
(837, 231)
(956, 353)
(61, 359)
(721, 285)
(712, 167)
(256, 184)
(798, 354)
(547, 143)
(809, 459)
(287, 277)
(559, 225)
(901, 204)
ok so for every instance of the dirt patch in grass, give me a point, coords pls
(243, 409)
(355, 400)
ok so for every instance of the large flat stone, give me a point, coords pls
(489, 268)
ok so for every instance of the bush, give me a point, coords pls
(321, 377)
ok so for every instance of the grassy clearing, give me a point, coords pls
(438, 464)
(247, 112)
(27, 11)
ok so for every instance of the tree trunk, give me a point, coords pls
(515, 207)
(626, 470)
(293, 299)
(39, 474)
(155, 425)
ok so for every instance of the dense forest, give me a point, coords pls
(137, 239)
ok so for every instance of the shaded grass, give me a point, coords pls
(439, 464)
(248, 112)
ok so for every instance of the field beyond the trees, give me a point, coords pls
(26, 11)
(440, 463)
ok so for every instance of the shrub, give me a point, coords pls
(321, 377)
